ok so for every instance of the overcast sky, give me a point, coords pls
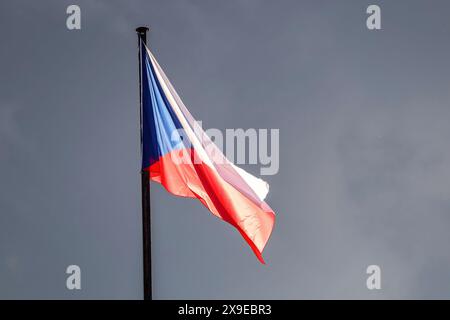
(364, 147)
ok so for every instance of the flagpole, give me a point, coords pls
(145, 188)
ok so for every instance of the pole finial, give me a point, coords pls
(142, 30)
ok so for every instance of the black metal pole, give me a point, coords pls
(145, 188)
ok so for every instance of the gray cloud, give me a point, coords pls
(363, 175)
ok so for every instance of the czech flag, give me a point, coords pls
(179, 155)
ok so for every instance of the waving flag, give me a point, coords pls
(179, 155)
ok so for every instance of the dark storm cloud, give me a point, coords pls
(364, 159)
